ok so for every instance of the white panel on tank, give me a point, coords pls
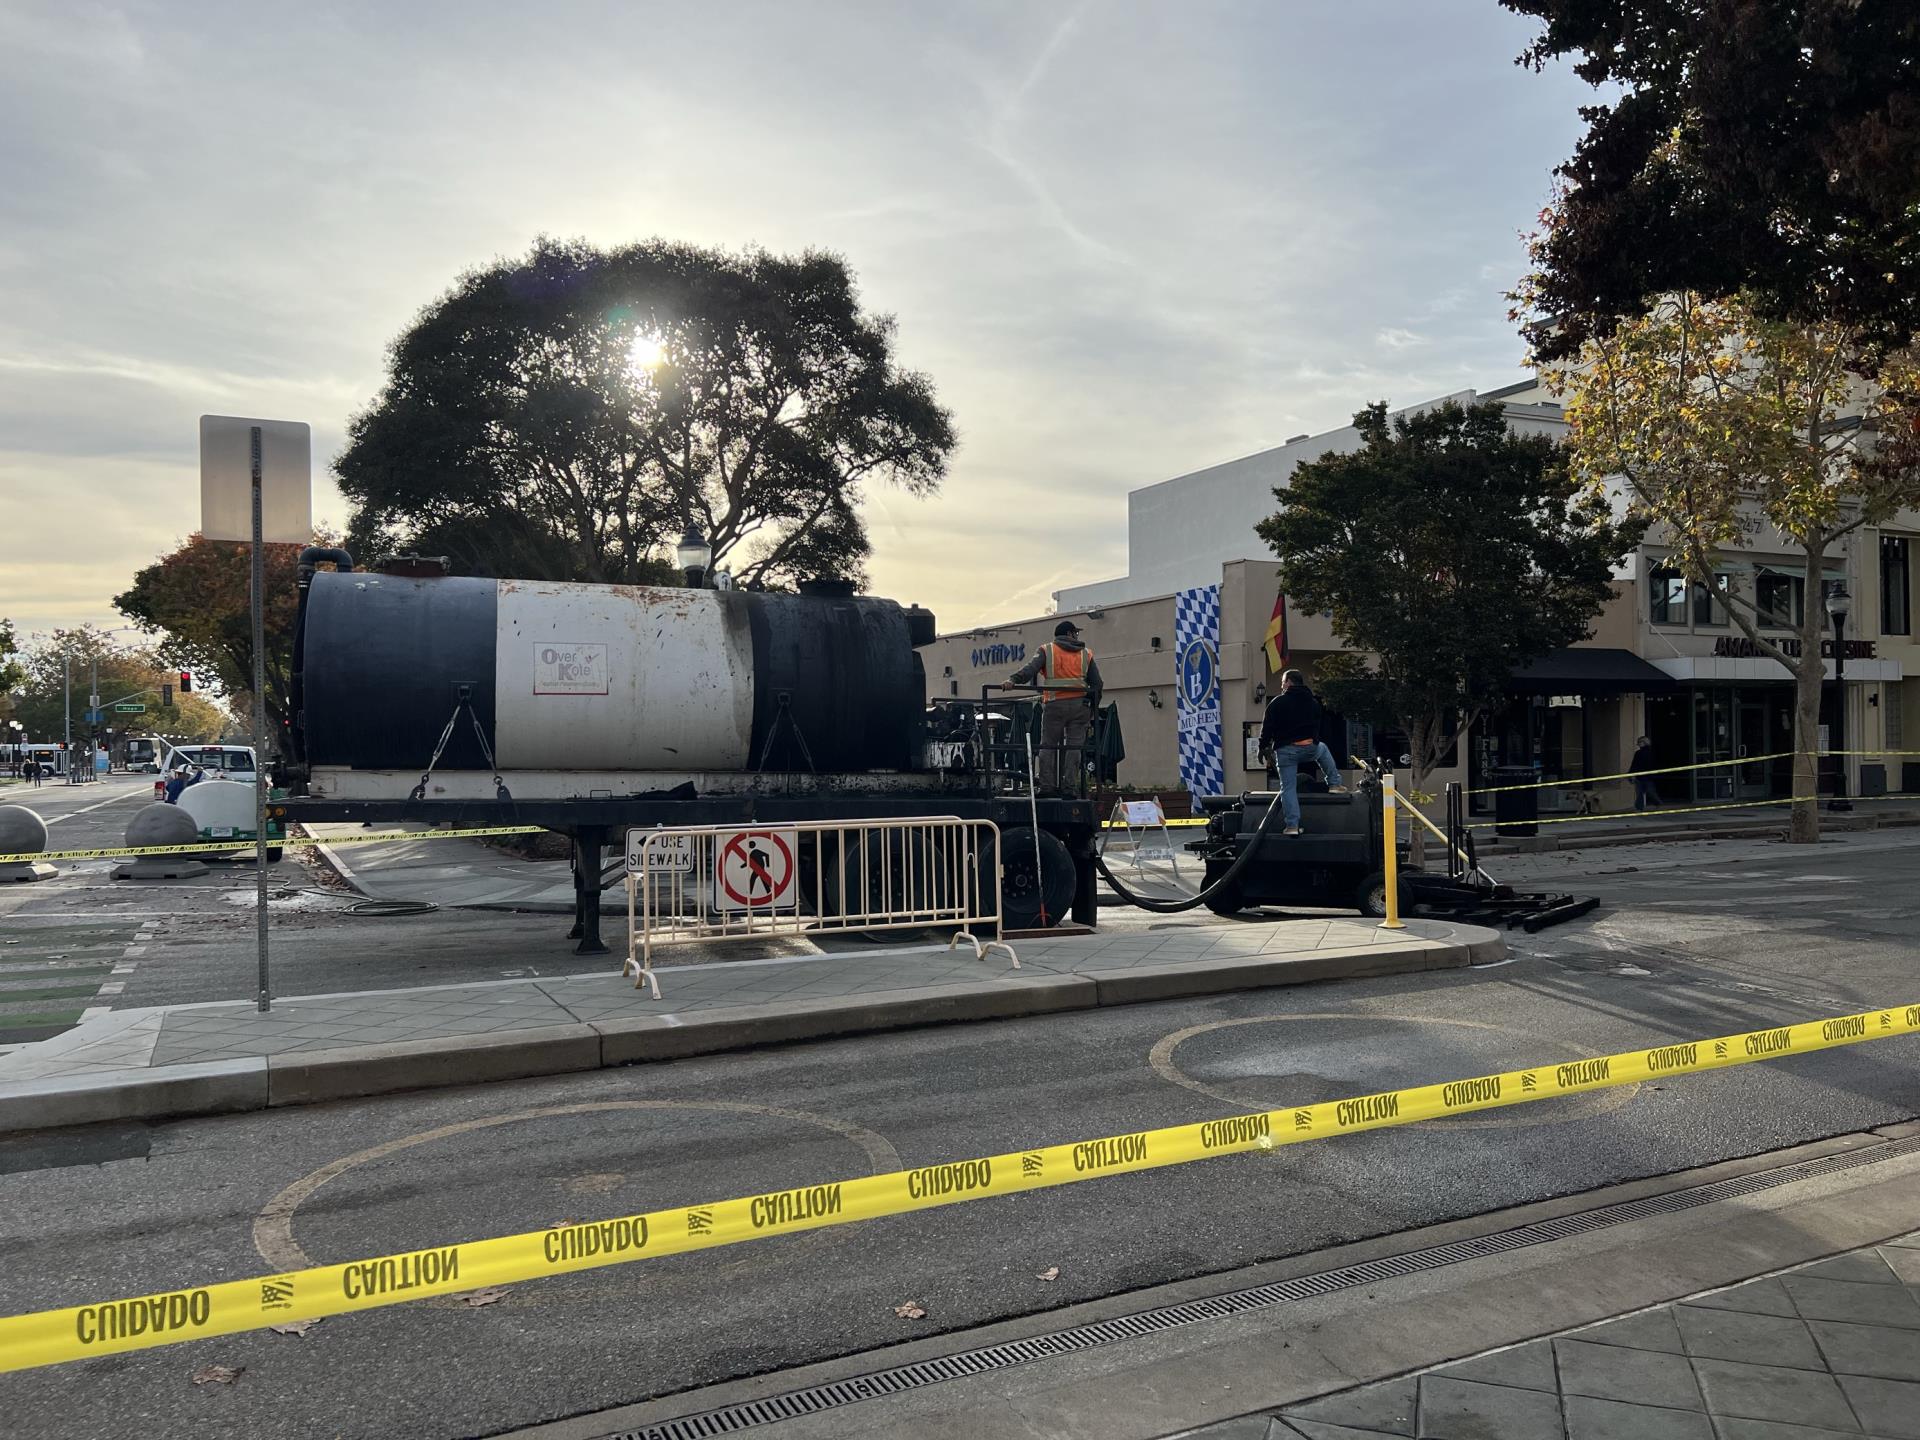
(620, 677)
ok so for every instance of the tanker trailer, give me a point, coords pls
(586, 709)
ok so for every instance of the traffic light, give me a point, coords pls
(166, 696)
(186, 681)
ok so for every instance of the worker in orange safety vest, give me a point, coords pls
(1073, 689)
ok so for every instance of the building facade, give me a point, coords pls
(1663, 660)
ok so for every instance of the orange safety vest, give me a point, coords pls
(1067, 665)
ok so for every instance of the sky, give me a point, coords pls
(1126, 240)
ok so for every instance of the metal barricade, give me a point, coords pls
(723, 882)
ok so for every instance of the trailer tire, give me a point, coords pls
(1023, 892)
(1370, 896)
(1229, 901)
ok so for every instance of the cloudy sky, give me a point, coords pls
(1127, 239)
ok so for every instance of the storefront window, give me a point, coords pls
(1667, 594)
(1896, 600)
(1781, 599)
(1707, 609)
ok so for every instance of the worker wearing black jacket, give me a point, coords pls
(1290, 735)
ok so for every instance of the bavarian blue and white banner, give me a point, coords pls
(1196, 648)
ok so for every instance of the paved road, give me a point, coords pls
(121, 1211)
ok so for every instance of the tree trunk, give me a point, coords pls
(1809, 675)
(1416, 832)
(1808, 681)
(1420, 737)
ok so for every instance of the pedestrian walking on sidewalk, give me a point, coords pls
(33, 772)
(1644, 793)
(1290, 734)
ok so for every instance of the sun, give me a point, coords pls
(646, 353)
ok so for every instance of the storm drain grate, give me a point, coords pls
(792, 1404)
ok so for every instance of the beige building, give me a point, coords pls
(1662, 660)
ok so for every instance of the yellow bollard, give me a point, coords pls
(1390, 825)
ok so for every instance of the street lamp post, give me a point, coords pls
(1839, 603)
(693, 554)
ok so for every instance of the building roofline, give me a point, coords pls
(1513, 389)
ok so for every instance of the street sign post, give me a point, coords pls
(256, 484)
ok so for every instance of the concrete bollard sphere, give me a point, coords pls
(21, 830)
(159, 824)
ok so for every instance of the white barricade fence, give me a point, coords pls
(728, 882)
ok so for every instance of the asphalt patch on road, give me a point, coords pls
(64, 1149)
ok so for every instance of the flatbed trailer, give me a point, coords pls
(593, 825)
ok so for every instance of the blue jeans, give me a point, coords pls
(1288, 759)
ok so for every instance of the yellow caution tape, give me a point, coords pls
(1665, 810)
(1573, 781)
(202, 847)
(112, 1327)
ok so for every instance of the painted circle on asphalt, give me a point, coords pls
(273, 1226)
(1333, 1056)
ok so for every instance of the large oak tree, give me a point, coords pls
(568, 415)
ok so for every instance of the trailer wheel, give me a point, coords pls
(1370, 896)
(1024, 886)
(1230, 901)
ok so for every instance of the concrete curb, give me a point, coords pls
(215, 1088)
(311, 1077)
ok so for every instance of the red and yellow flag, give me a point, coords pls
(1277, 637)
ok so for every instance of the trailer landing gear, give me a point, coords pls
(588, 842)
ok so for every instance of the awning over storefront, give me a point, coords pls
(1590, 670)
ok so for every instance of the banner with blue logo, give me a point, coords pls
(1196, 648)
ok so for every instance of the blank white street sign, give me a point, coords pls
(226, 479)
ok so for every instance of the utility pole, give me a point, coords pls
(66, 675)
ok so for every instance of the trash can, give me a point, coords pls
(1516, 813)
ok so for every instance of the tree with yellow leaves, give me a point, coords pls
(1726, 429)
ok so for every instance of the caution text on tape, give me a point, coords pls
(139, 1322)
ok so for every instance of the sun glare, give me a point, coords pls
(646, 353)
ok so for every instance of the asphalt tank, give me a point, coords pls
(600, 680)
(591, 709)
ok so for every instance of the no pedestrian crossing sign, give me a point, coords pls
(756, 870)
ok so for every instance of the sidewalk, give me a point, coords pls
(1827, 1350)
(197, 1059)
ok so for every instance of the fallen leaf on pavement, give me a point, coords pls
(217, 1375)
(1052, 1272)
(294, 1327)
(912, 1310)
(492, 1295)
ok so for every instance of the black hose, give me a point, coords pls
(1175, 907)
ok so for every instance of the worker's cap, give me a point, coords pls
(1064, 629)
